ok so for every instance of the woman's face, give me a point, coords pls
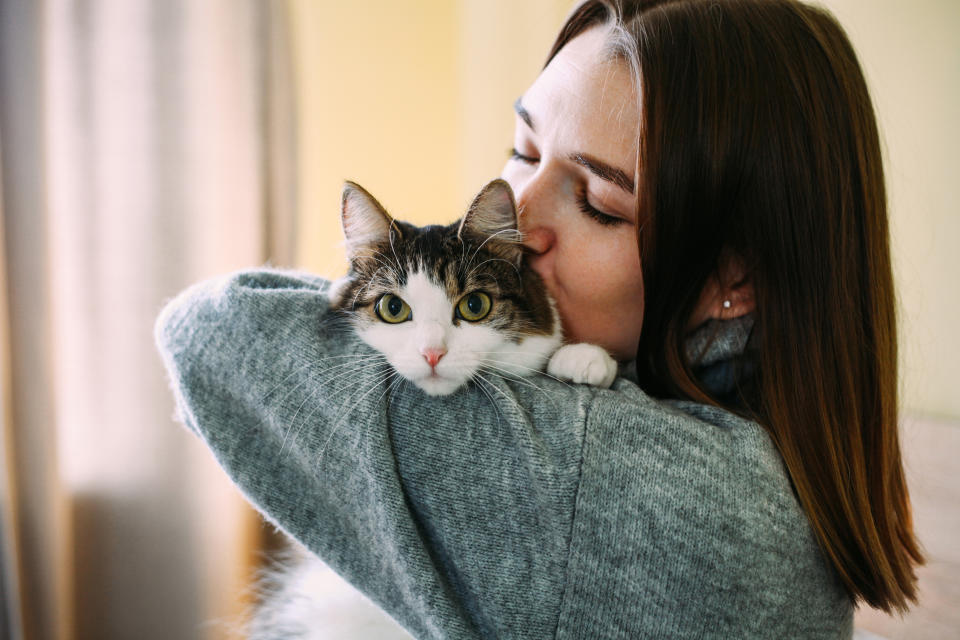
(572, 169)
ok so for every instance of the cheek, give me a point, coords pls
(602, 300)
(603, 267)
(469, 344)
(395, 341)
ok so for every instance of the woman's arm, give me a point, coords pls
(454, 514)
(524, 510)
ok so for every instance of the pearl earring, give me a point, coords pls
(727, 304)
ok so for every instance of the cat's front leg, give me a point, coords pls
(583, 364)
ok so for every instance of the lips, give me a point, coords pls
(535, 264)
(556, 292)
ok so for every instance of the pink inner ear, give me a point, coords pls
(505, 204)
(365, 222)
(493, 210)
(499, 196)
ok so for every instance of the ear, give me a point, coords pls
(727, 294)
(493, 214)
(365, 222)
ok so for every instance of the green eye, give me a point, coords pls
(474, 307)
(392, 309)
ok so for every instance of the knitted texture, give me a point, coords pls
(527, 509)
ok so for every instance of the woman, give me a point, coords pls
(762, 495)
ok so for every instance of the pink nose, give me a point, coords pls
(432, 356)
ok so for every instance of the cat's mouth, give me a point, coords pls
(436, 384)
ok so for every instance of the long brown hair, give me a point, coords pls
(758, 137)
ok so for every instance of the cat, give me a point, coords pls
(445, 305)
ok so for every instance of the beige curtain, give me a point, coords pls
(9, 578)
(146, 144)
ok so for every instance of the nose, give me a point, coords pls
(535, 206)
(538, 240)
(432, 355)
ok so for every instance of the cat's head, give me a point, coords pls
(445, 304)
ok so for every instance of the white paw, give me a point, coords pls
(584, 364)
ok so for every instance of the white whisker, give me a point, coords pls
(507, 375)
(531, 370)
(496, 260)
(488, 239)
(516, 406)
(323, 375)
(394, 250)
(335, 393)
(481, 382)
(280, 384)
(351, 403)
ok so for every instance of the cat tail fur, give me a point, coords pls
(301, 598)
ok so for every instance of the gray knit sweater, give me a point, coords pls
(534, 511)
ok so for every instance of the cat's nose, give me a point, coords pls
(432, 356)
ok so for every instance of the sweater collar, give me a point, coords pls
(716, 351)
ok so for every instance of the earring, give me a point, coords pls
(727, 304)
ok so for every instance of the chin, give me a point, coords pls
(438, 385)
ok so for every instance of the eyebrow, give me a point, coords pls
(596, 166)
(604, 171)
(523, 113)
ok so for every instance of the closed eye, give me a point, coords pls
(516, 155)
(600, 217)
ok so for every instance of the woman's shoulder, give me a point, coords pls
(689, 508)
(688, 438)
(699, 471)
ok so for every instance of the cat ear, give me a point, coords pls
(493, 215)
(365, 222)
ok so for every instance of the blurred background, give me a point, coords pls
(148, 144)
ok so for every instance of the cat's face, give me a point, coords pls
(445, 304)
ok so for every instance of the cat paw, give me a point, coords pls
(583, 364)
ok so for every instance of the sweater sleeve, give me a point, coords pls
(453, 514)
(528, 509)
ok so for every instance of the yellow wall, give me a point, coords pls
(413, 100)
(911, 56)
(377, 83)
(504, 44)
